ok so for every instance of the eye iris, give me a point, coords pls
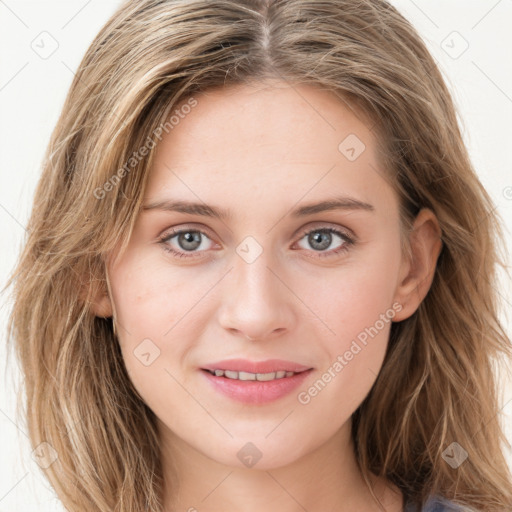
(321, 237)
(189, 237)
(191, 240)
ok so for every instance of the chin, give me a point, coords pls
(256, 453)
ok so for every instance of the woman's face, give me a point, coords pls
(263, 167)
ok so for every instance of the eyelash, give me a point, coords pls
(349, 241)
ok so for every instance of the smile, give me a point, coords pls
(255, 388)
(230, 374)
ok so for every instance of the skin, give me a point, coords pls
(261, 151)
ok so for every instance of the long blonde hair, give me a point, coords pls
(437, 384)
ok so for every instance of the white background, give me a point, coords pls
(32, 91)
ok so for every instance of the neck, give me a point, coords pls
(327, 478)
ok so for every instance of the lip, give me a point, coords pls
(256, 392)
(253, 391)
(267, 366)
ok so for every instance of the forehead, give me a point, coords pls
(267, 139)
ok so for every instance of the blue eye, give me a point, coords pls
(322, 242)
(188, 242)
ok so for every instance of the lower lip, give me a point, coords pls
(254, 391)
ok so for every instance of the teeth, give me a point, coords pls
(246, 376)
(230, 374)
(266, 376)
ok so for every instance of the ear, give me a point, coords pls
(101, 305)
(417, 271)
(99, 300)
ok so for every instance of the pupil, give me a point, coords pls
(317, 237)
(190, 240)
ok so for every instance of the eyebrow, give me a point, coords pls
(338, 203)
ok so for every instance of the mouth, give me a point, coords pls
(262, 377)
(263, 371)
(255, 382)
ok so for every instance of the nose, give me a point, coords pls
(256, 302)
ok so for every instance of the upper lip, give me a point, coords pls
(267, 366)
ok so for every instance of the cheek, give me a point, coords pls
(353, 359)
(150, 296)
(357, 308)
(354, 297)
(145, 312)
(156, 309)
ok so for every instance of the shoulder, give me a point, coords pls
(436, 504)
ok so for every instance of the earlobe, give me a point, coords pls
(419, 270)
(102, 306)
(98, 297)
